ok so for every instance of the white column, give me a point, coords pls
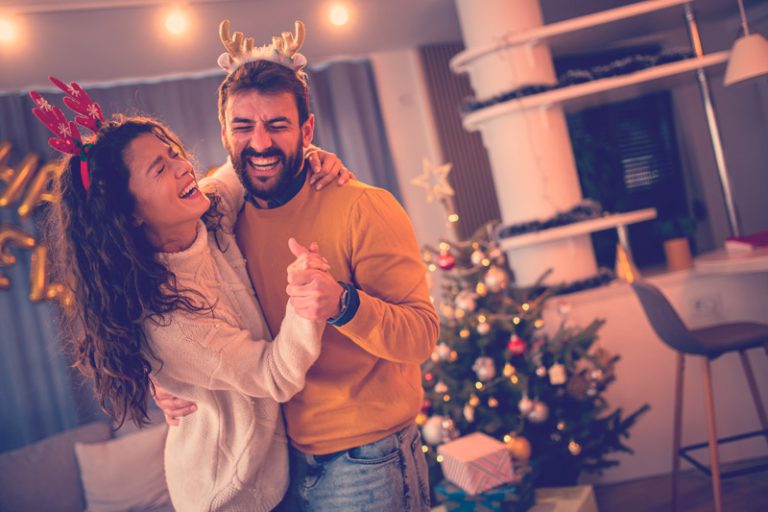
(530, 151)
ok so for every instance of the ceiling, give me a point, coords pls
(100, 40)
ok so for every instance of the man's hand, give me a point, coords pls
(312, 291)
(173, 408)
(326, 167)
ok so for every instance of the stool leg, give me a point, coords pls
(678, 426)
(714, 460)
(755, 393)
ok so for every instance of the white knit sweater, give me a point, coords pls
(232, 453)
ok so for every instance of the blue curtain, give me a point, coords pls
(39, 394)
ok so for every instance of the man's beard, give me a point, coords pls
(291, 165)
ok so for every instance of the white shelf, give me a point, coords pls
(602, 91)
(578, 228)
(565, 34)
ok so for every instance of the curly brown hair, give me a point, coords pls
(112, 269)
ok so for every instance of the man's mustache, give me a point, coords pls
(252, 153)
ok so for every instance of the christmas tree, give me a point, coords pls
(498, 369)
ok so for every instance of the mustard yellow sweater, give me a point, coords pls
(366, 384)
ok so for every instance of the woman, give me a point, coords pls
(161, 291)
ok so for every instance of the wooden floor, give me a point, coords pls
(745, 493)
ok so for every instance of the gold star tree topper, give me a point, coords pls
(434, 179)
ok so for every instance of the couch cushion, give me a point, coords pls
(44, 475)
(126, 473)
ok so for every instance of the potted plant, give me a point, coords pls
(676, 232)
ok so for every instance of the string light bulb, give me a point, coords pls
(7, 30)
(338, 14)
(176, 22)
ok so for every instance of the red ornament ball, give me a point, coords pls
(446, 260)
(516, 345)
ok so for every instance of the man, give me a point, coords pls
(354, 444)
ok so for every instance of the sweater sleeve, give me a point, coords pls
(396, 320)
(214, 354)
(225, 184)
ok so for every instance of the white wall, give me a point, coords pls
(410, 128)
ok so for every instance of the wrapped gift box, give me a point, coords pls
(507, 498)
(476, 463)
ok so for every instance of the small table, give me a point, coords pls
(723, 262)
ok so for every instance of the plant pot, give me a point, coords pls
(678, 254)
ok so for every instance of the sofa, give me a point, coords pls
(88, 468)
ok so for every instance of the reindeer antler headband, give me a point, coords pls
(283, 50)
(67, 137)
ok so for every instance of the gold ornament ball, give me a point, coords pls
(574, 448)
(518, 447)
(493, 403)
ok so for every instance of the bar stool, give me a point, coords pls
(710, 343)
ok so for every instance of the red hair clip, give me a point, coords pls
(67, 137)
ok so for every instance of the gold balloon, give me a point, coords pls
(39, 287)
(518, 447)
(39, 190)
(16, 236)
(16, 179)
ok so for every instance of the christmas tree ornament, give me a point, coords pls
(449, 431)
(466, 300)
(441, 387)
(516, 345)
(509, 370)
(427, 257)
(469, 413)
(483, 328)
(485, 368)
(453, 357)
(538, 323)
(564, 308)
(539, 413)
(518, 447)
(464, 333)
(443, 351)
(432, 430)
(493, 403)
(474, 401)
(446, 397)
(460, 313)
(560, 426)
(541, 371)
(446, 260)
(525, 405)
(447, 311)
(421, 418)
(596, 374)
(477, 257)
(428, 376)
(495, 279)
(481, 289)
(574, 448)
(557, 374)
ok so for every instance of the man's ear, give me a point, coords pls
(308, 130)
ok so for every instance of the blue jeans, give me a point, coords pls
(389, 475)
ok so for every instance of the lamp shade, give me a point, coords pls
(749, 58)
